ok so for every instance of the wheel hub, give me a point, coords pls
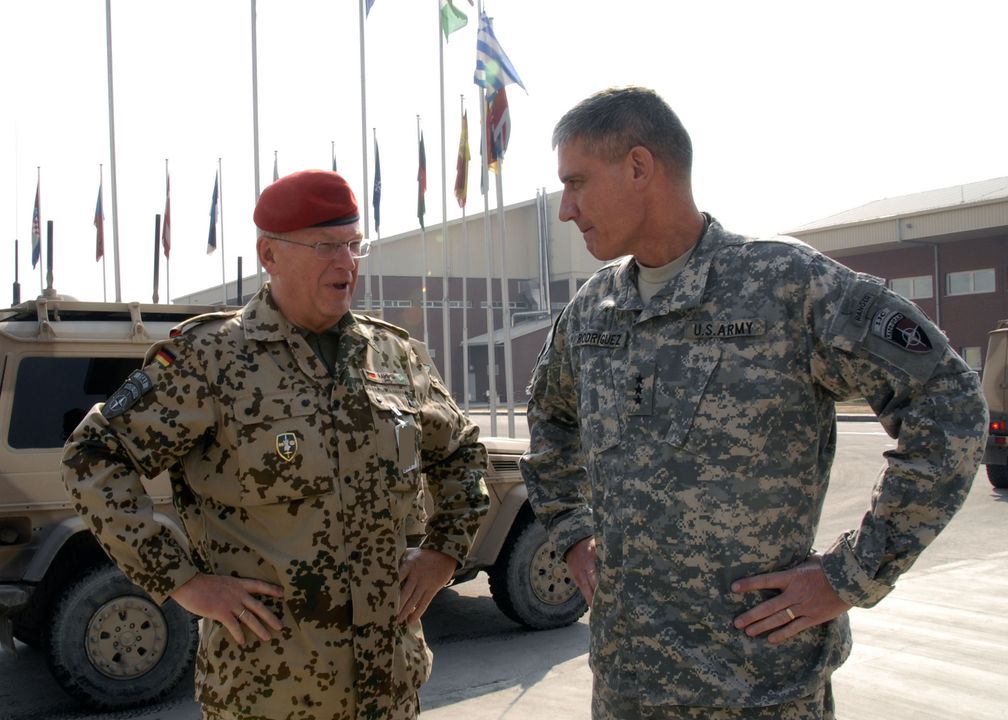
(549, 579)
(126, 637)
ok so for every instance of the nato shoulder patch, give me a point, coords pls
(902, 331)
(126, 396)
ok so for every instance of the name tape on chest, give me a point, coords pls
(895, 327)
(726, 329)
(595, 338)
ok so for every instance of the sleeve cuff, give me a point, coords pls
(851, 582)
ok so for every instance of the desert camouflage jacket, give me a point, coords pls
(286, 473)
(702, 428)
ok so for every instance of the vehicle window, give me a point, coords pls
(52, 394)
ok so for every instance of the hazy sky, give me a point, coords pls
(798, 110)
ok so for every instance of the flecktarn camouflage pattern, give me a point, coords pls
(702, 426)
(286, 473)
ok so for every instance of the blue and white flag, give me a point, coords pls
(493, 68)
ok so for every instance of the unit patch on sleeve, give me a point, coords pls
(126, 397)
(897, 328)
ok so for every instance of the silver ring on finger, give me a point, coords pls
(243, 611)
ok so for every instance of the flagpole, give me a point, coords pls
(220, 177)
(255, 129)
(488, 242)
(112, 149)
(363, 100)
(465, 274)
(445, 317)
(505, 301)
(423, 247)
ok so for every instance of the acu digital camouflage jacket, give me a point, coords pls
(702, 428)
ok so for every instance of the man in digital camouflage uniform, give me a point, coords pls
(691, 387)
(296, 433)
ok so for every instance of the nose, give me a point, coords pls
(568, 208)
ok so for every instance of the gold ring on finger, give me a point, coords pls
(790, 614)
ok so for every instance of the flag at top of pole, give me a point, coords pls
(166, 224)
(493, 68)
(37, 227)
(452, 18)
(376, 195)
(367, 11)
(99, 224)
(212, 238)
(462, 164)
(421, 182)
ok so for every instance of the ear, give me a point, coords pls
(642, 164)
(264, 249)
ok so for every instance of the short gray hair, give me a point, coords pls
(613, 121)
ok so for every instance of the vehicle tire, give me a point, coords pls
(998, 476)
(530, 584)
(110, 645)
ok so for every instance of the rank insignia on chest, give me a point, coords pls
(286, 446)
(385, 378)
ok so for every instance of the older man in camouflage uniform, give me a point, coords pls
(691, 386)
(296, 433)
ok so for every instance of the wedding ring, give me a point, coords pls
(791, 615)
(244, 610)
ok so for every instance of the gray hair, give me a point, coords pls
(613, 121)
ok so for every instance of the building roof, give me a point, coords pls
(903, 205)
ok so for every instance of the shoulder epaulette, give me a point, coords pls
(187, 325)
(395, 329)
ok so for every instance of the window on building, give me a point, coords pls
(919, 287)
(971, 354)
(970, 282)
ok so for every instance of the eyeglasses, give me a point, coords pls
(328, 250)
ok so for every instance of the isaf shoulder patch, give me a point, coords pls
(126, 397)
(895, 327)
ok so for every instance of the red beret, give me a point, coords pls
(310, 198)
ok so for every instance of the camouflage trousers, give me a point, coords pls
(610, 706)
(408, 709)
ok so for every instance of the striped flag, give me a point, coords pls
(493, 68)
(99, 224)
(37, 226)
(498, 127)
(462, 164)
(212, 238)
(166, 224)
(421, 182)
(376, 195)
